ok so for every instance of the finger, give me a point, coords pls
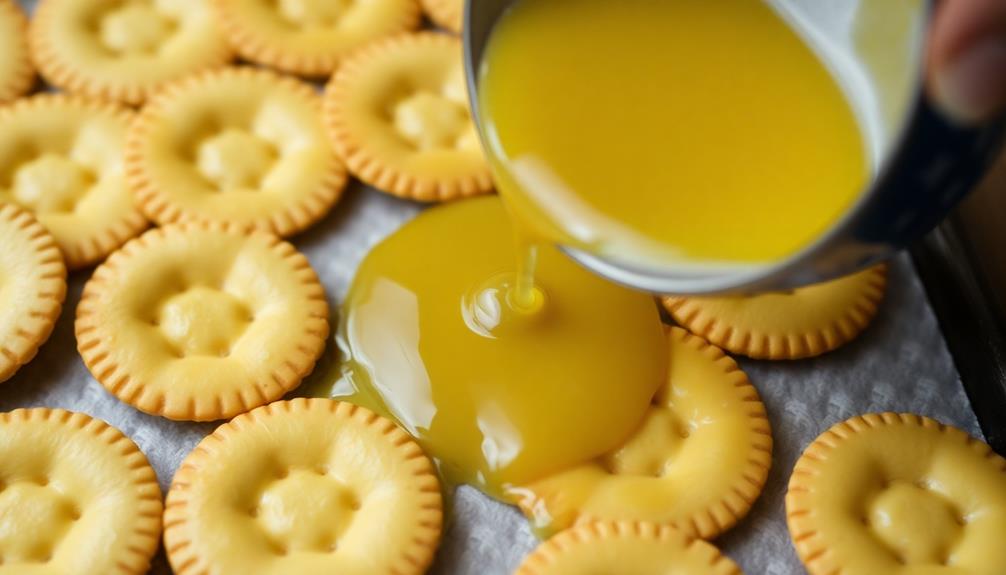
(967, 58)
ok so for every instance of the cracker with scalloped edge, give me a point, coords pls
(32, 287)
(397, 113)
(202, 321)
(76, 496)
(804, 322)
(698, 461)
(304, 486)
(123, 51)
(237, 145)
(892, 493)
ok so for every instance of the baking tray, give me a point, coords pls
(968, 309)
(901, 363)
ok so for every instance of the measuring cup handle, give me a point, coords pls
(937, 164)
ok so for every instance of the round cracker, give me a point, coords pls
(76, 496)
(16, 72)
(626, 548)
(802, 323)
(397, 113)
(123, 51)
(310, 37)
(202, 321)
(698, 461)
(32, 287)
(64, 157)
(236, 145)
(892, 493)
(304, 486)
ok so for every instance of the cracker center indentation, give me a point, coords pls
(429, 121)
(313, 13)
(135, 28)
(34, 518)
(651, 452)
(306, 510)
(235, 159)
(51, 183)
(918, 525)
(203, 321)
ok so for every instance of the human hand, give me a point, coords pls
(967, 59)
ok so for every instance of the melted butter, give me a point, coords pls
(701, 132)
(500, 392)
(666, 133)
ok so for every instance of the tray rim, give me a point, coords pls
(972, 324)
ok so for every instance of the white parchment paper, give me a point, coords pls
(899, 364)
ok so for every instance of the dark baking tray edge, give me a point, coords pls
(973, 324)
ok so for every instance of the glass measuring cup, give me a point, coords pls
(923, 163)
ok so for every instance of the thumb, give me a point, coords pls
(967, 59)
